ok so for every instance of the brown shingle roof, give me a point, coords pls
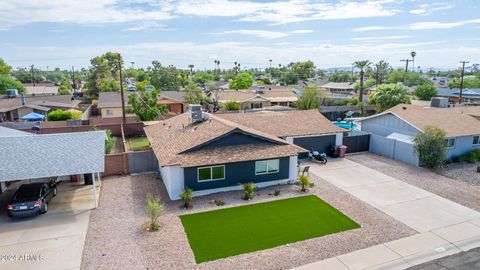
(285, 123)
(175, 95)
(177, 142)
(454, 121)
(245, 95)
(63, 101)
(111, 100)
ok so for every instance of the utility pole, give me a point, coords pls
(376, 79)
(406, 69)
(73, 78)
(461, 80)
(33, 76)
(121, 88)
(353, 65)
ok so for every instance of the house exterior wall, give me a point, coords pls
(236, 173)
(176, 108)
(387, 124)
(116, 112)
(23, 111)
(462, 145)
(172, 177)
(248, 104)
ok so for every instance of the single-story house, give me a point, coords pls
(308, 129)
(110, 104)
(469, 95)
(41, 88)
(258, 98)
(392, 131)
(12, 108)
(211, 154)
(174, 101)
(339, 87)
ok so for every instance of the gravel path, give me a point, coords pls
(115, 241)
(462, 171)
(454, 190)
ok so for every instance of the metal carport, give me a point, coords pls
(30, 156)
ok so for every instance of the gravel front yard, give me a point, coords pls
(462, 171)
(454, 190)
(115, 241)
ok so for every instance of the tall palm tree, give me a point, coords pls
(191, 68)
(270, 62)
(362, 65)
(413, 54)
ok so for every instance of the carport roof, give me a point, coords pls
(30, 156)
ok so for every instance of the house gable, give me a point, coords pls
(388, 123)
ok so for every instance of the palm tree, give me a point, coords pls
(191, 68)
(270, 62)
(413, 54)
(362, 65)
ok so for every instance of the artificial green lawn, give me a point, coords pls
(138, 143)
(232, 231)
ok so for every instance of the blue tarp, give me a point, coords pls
(33, 117)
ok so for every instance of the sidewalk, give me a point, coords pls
(444, 227)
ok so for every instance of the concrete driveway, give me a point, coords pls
(51, 241)
(444, 227)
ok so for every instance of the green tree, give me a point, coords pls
(202, 77)
(380, 70)
(430, 147)
(362, 65)
(103, 74)
(340, 76)
(410, 78)
(304, 70)
(4, 68)
(166, 78)
(368, 83)
(231, 105)
(193, 94)
(467, 83)
(389, 95)
(243, 80)
(144, 103)
(289, 77)
(65, 88)
(425, 91)
(8, 82)
(309, 99)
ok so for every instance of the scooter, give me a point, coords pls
(315, 155)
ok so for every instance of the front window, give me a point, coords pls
(256, 105)
(212, 173)
(450, 143)
(266, 166)
(109, 112)
(476, 139)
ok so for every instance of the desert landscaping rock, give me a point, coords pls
(115, 239)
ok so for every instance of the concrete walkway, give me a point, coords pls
(51, 241)
(444, 227)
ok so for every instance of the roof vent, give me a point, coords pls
(195, 112)
(404, 107)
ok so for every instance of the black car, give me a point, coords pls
(31, 199)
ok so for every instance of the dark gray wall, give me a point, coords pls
(236, 173)
(142, 161)
(317, 143)
(234, 138)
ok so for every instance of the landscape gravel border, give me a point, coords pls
(115, 240)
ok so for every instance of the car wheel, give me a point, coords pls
(54, 191)
(45, 207)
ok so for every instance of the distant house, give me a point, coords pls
(210, 154)
(173, 100)
(339, 87)
(41, 88)
(258, 98)
(110, 104)
(392, 132)
(12, 108)
(469, 95)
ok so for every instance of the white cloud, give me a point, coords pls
(379, 38)
(302, 31)
(256, 33)
(148, 26)
(419, 26)
(373, 28)
(427, 9)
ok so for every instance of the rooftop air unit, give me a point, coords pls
(439, 102)
(260, 89)
(11, 93)
(195, 112)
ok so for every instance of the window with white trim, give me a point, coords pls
(476, 140)
(212, 173)
(450, 143)
(267, 166)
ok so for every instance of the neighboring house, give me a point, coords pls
(12, 108)
(210, 154)
(173, 100)
(258, 98)
(110, 104)
(392, 132)
(339, 87)
(41, 88)
(308, 129)
(469, 95)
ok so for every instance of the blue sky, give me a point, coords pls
(62, 33)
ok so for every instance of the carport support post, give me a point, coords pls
(94, 186)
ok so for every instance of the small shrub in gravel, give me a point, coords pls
(219, 202)
(186, 196)
(305, 182)
(276, 192)
(154, 210)
(248, 191)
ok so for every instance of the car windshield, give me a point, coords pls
(27, 193)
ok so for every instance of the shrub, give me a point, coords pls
(154, 210)
(472, 156)
(231, 105)
(276, 192)
(219, 202)
(110, 141)
(186, 196)
(59, 115)
(305, 181)
(248, 190)
(430, 147)
(425, 91)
